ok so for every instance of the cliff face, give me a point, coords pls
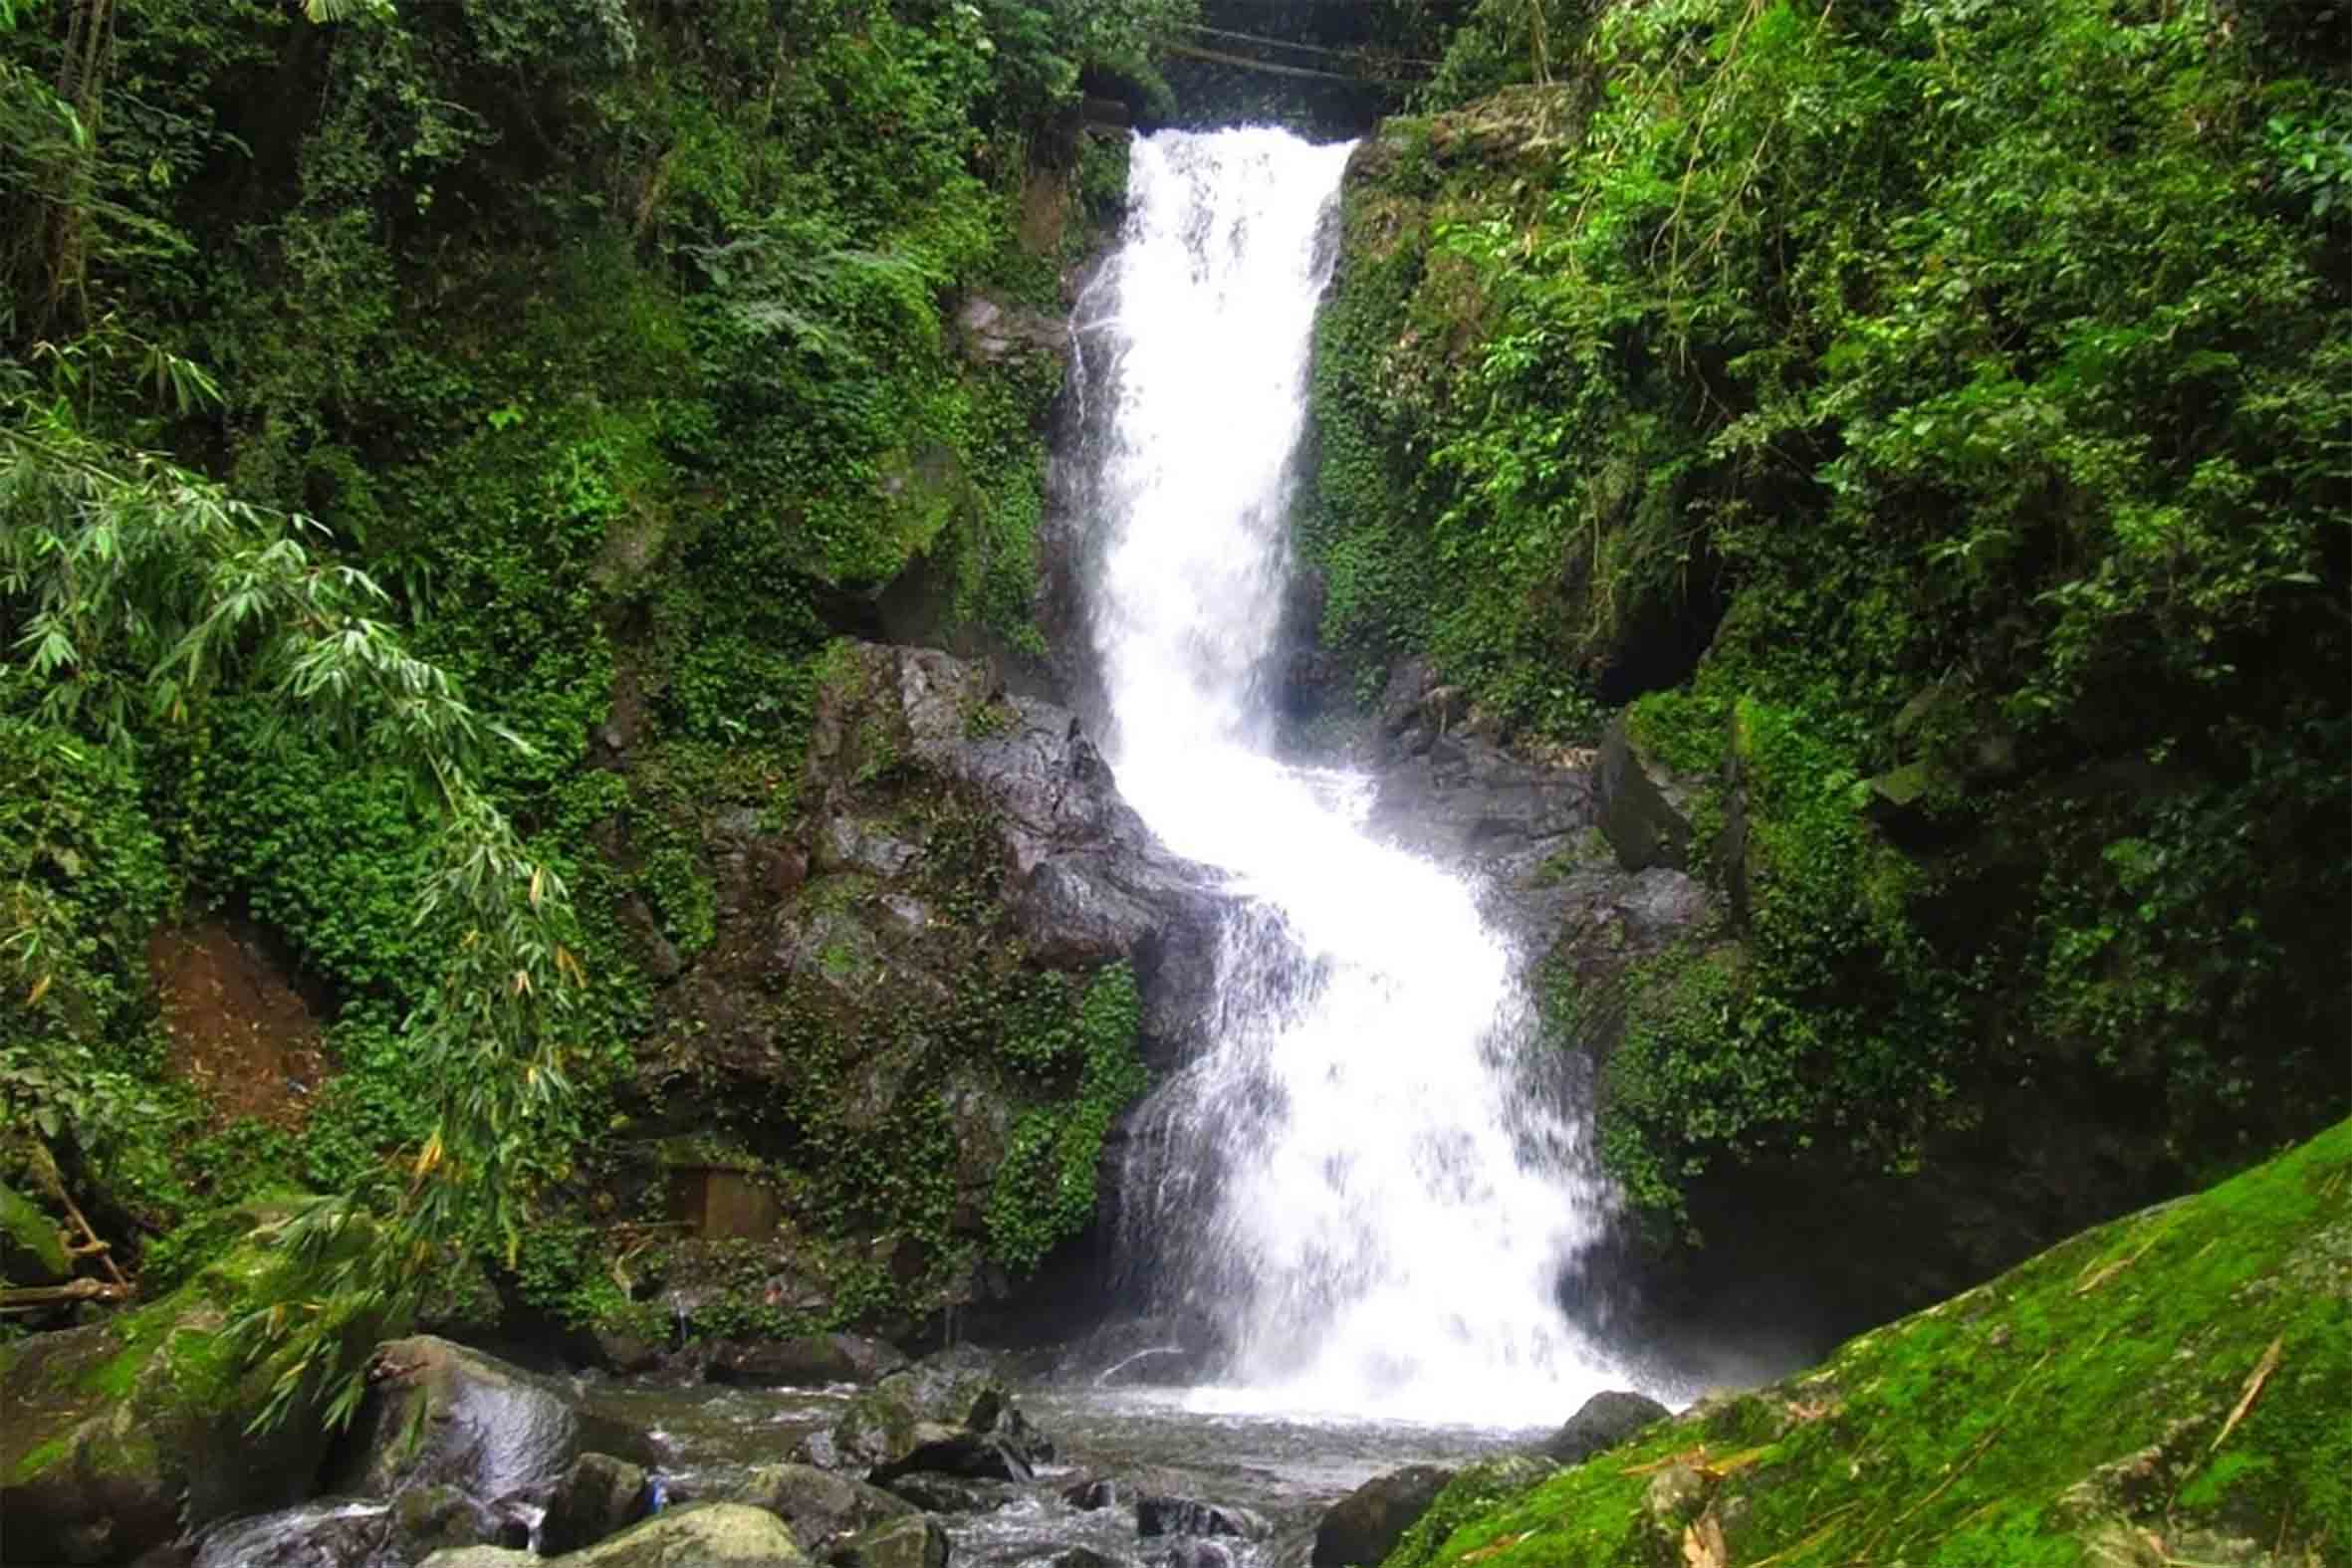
(1699, 409)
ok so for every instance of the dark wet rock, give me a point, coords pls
(820, 1507)
(1095, 1491)
(1363, 1527)
(810, 1360)
(1160, 1514)
(427, 1519)
(1641, 824)
(948, 1415)
(1079, 1557)
(329, 1532)
(1186, 1551)
(597, 1496)
(1603, 1421)
(951, 1495)
(917, 1541)
(1089, 881)
(438, 1413)
(627, 1354)
(110, 1445)
(992, 330)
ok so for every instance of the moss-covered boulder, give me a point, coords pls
(822, 1508)
(705, 1536)
(118, 1436)
(2173, 1387)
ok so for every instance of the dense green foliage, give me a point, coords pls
(1985, 368)
(2171, 1387)
(544, 386)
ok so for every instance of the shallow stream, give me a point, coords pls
(1287, 1469)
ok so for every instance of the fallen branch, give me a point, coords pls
(27, 1299)
(2253, 1391)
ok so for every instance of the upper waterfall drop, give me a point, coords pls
(1352, 1182)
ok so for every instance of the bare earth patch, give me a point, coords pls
(240, 1034)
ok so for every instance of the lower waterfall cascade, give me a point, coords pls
(1351, 1184)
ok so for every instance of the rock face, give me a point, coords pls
(1604, 1421)
(114, 1437)
(1546, 830)
(1363, 1527)
(961, 862)
(441, 1414)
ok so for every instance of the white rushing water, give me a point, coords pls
(1351, 1183)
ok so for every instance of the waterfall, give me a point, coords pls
(1349, 1184)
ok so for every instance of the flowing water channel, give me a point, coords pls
(1352, 1188)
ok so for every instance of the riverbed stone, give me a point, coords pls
(948, 1415)
(327, 1532)
(1163, 1514)
(701, 1535)
(1601, 1422)
(597, 1496)
(439, 1412)
(820, 1507)
(1363, 1527)
(917, 1541)
(951, 1493)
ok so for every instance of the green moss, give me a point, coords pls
(33, 1236)
(2086, 1391)
(1600, 366)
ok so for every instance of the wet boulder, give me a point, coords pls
(916, 1541)
(1363, 1527)
(949, 1416)
(822, 1508)
(329, 1532)
(951, 1493)
(116, 1437)
(597, 1496)
(1603, 1421)
(704, 1535)
(1163, 1514)
(438, 1413)
(1092, 1493)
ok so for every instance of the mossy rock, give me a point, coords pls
(2184, 1374)
(708, 1535)
(116, 1434)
